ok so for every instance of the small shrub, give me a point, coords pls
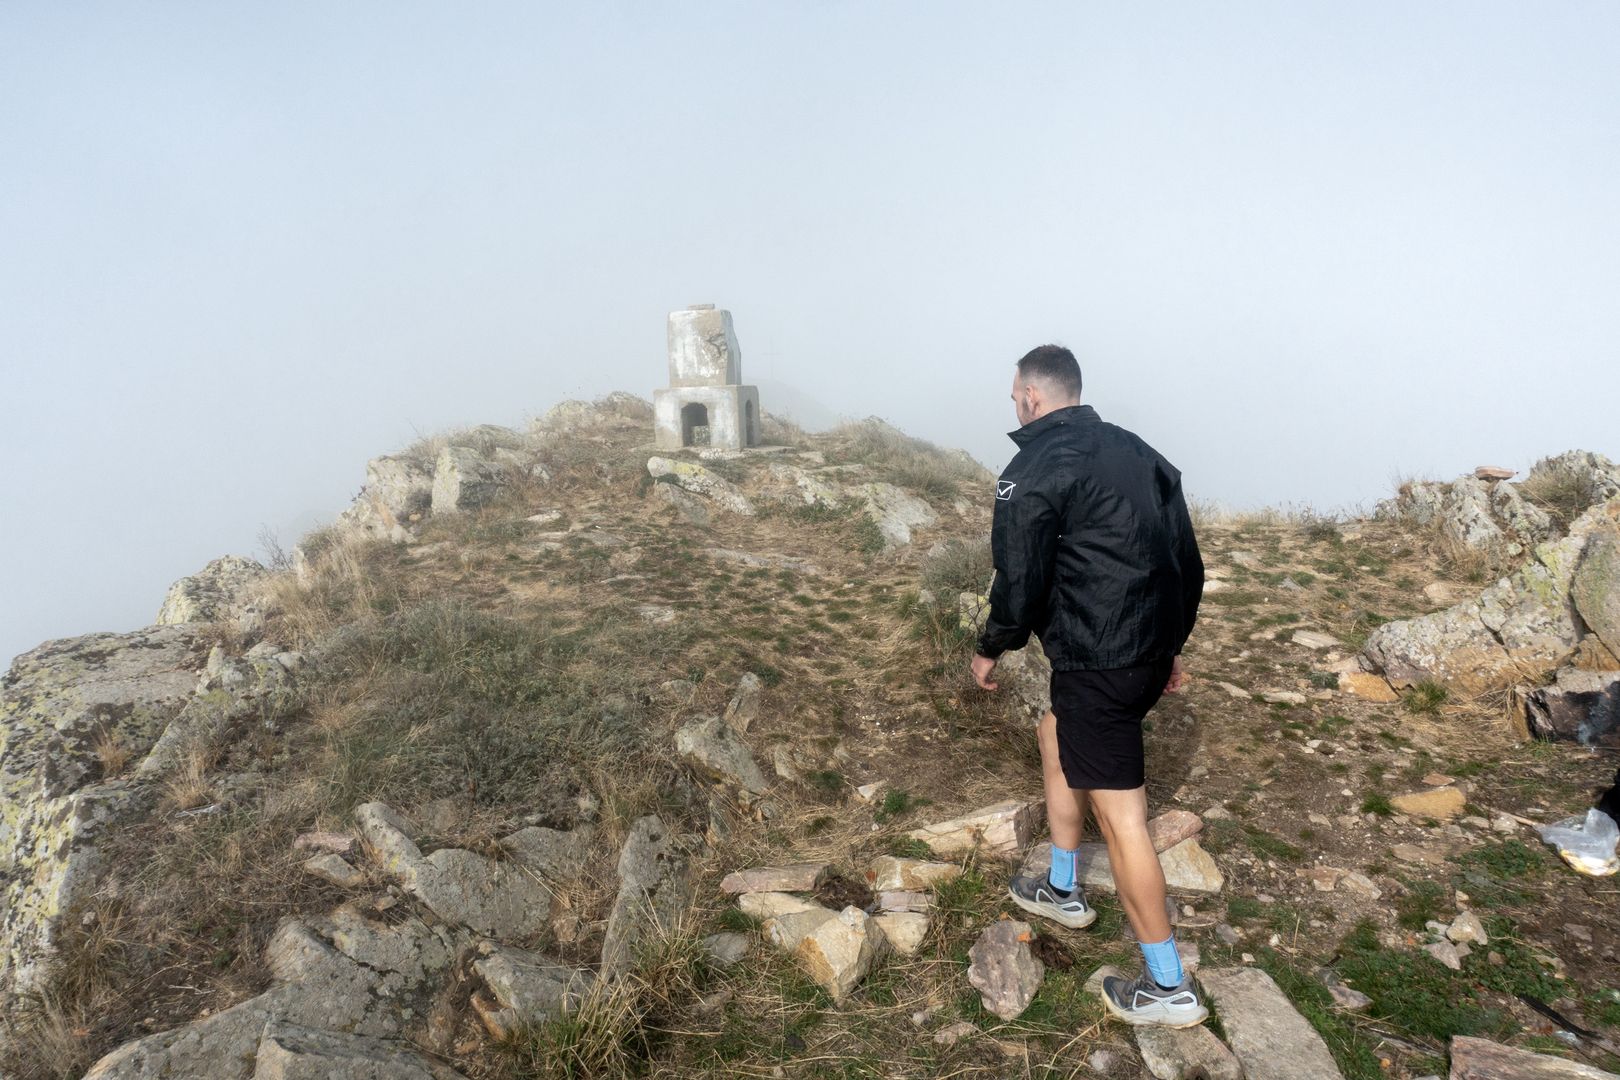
(1377, 803)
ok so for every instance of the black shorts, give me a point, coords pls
(1099, 723)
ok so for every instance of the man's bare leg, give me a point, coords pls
(1065, 806)
(1056, 895)
(1121, 817)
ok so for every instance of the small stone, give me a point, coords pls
(839, 951)
(1446, 953)
(800, 877)
(709, 1004)
(1503, 823)
(1103, 1062)
(1467, 928)
(1361, 885)
(1004, 969)
(1324, 878)
(1343, 996)
(1227, 935)
(890, 872)
(1436, 779)
(868, 792)
(905, 930)
(1217, 813)
(726, 949)
(1234, 691)
(1172, 827)
(1494, 472)
(1443, 803)
(1312, 639)
(1283, 697)
(1411, 853)
(1095, 980)
(335, 869)
(1367, 687)
(951, 1035)
(335, 842)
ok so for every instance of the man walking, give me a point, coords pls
(1094, 552)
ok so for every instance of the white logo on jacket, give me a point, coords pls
(1004, 489)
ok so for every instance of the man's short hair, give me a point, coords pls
(1053, 365)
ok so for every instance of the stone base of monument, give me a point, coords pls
(722, 417)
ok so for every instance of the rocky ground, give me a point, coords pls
(474, 782)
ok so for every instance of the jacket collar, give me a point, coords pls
(1069, 414)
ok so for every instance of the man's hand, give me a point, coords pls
(1178, 677)
(983, 668)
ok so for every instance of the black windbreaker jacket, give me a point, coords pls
(1093, 547)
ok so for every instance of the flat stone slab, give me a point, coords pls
(801, 877)
(1003, 829)
(1481, 1059)
(1186, 1054)
(890, 872)
(1443, 803)
(1271, 1039)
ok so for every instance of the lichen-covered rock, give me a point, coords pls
(700, 481)
(223, 589)
(1516, 630)
(895, 511)
(464, 479)
(497, 898)
(715, 748)
(397, 495)
(1596, 589)
(532, 988)
(290, 1052)
(71, 711)
(654, 891)
(336, 977)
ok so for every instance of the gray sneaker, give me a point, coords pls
(1034, 893)
(1142, 1001)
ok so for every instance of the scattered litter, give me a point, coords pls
(1586, 844)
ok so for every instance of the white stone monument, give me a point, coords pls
(705, 403)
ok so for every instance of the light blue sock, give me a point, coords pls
(1061, 875)
(1163, 962)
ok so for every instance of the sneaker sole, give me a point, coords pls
(1073, 922)
(1138, 1020)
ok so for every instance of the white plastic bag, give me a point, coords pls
(1587, 844)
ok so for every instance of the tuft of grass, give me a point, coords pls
(1424, 900)
(1414, 991)
(1425, 698)
(1377, 803)
(1355, 1053)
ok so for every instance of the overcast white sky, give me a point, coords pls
(1302, 248)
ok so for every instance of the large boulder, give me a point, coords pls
(1596, 589)
(76, 715)
(895, 511)
(339, 982)
(224, 589)
(397, 495)
(464, 479)
(1479, 514)
(1515, 631)
(700, 481)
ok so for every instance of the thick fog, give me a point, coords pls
(1301, 248)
